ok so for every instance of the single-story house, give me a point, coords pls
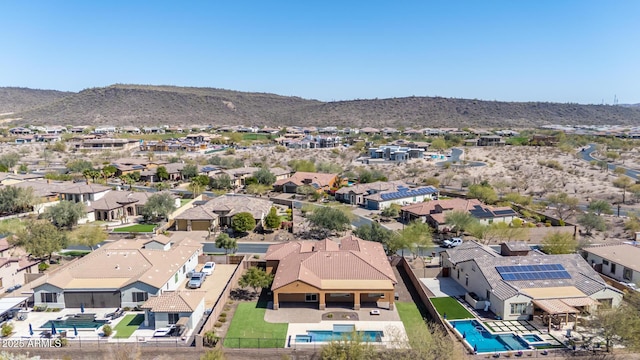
(196, 218)
(320, 181)
(434, 212)
(179, 308)
(220, 211)
(123, 273)
(619, 262)
(523, 287)
(326, 272)
(120, 205)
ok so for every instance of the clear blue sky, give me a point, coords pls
(541, 50)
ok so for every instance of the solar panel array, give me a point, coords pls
(533, 272)
(404, 192)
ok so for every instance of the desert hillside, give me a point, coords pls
(158, 105)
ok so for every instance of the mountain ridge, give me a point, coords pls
(124, 104)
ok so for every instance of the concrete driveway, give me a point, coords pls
(214, 283)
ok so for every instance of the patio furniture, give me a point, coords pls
(374, 312)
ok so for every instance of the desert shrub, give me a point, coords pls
(280, 149)
(224, 314)
(222, 320)
(107, 330)
(217, 324)
(43, 266)
(7, 329)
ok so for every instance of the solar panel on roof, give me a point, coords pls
(533, 272)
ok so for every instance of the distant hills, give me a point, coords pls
(160, 105)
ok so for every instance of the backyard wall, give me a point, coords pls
(417, 284)
(219, 305)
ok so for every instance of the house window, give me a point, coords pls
(311, 297)
(605, 262)
(613, 268)
(466, 280)
(175, 278)
(138, 296)
(518, 308)
(607, 303)
(626, 274)
(488, 295)
(48, 297)
(173, 318)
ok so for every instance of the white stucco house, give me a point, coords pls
(124, 273)
(180, 308)
(619, 262)
(521, 287)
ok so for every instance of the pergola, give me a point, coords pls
(556, 307)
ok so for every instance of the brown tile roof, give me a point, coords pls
(234, 204)
(197, 213)
(116, 199)
(377, 186)
(623, 254)
(325, 261)
(124, 262)
(438, 206)
(175, 301)
(301, 178)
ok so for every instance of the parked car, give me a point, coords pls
(451, 243)
(196, 280)
(209, 267)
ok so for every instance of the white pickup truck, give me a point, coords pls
(451, 243)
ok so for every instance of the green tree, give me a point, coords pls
(459, 221)
(272, 220)
(264, 176)
(375, 232)
(15, 200)
(91, 174)
(158, 206)
(393, 211)
(559, 243)
(600, 207)
(161, 186)
(257, 189)
(306, 190)
(243, 222)
(618, 326)
(40, 238)
(65, 214)
(484, 193)
(221, 182)
(108, 171)
(196, 188)
(623, 182)
(563, 205)
(10, 160)
(255, 278)
(416, 235)
(128, 179)
(224, 241)
(189, 171)
(329, 219)
(80, 165)
(503, 232)
(438, 144)
(162, 173)
(592, 221)
(302, 165)
(88, 235)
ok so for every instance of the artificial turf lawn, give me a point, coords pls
(249, 330)
(128, 325)
(451, 307)
(136, 228)
(411, 318)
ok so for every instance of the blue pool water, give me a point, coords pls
(532, 338)
(479, 337)
(339, 332)
(64, 324)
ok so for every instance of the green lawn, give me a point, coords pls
(411, 318)
(128, 325)
(184, 201)
(451, 307)
(254, 136)
(249, 330)
(136, 228)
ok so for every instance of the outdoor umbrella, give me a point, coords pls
(30, 329)
(82, 308)
(53, 328)
(75, 330)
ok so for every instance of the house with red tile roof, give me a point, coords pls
(434, 212)
(320, 181)
(327, 272)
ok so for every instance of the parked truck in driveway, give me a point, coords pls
(197, 278)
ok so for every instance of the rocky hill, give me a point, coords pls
(14, 99)
(158, 105)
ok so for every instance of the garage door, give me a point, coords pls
(92, 299)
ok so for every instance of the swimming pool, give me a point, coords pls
(482, 341)
(339, 332)
(68, 324)
(532, 338)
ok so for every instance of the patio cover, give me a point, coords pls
(581, 301)
(9, 303)
(555, 306)
(553, 292)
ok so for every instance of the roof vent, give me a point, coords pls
(117, 267)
